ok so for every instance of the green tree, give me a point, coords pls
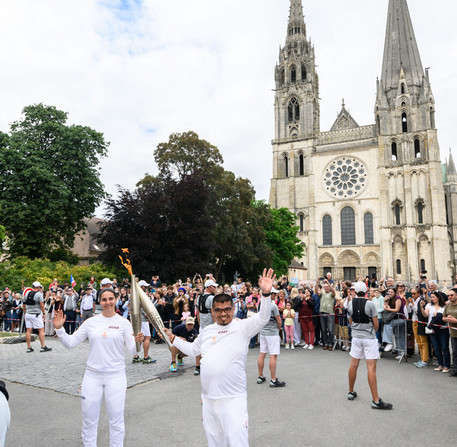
(50, 180)
(187, 154)
(281, 237)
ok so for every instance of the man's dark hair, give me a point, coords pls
(454, 289)
(361, 294)
(222, 298)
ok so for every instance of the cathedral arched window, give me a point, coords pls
(301, 162)
(327, 230)
(422, 262)
(420, 212)
(293, 74)
(417, 148)
(286, 167)
(368, 227)
(402, 88)
(347, 219)
(398, 266)
(293, 110)
(303, 72)
(302, 222)
(404, 122)
(393, 150)
(397, 210)
(281, 77)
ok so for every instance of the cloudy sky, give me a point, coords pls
(138, 70)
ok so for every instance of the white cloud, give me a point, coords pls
(140, 70)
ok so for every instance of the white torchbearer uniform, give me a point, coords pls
(105, 373)
(224, 351)
(5, 419)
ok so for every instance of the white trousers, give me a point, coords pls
(113, 387)
(297, 330)
(5, 417)
(226, 421)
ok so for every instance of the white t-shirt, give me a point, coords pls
(432, 312)
(107, 338)
(224, 351)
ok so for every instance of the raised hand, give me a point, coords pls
(59, 319)
(266, 281)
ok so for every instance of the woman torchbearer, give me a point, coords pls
(108, 333)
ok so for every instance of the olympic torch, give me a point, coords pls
(152, 314)
(135, 311)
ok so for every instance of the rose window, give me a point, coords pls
(345, 178)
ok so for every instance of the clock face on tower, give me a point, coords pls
(345, 178)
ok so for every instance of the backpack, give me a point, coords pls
(202, 303)
(29, 299)
(358, 311)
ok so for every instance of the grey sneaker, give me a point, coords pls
(381, 405)
(277, 383)
(197, 371)
(261, 379)
(45, 349)
(352, 395)
(29, 350)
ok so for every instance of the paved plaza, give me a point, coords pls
(163, 409)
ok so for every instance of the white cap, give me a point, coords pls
(273, 290)
(105, 281)
(209, 283)
(360, 287)
(36, 284)
(143, 283)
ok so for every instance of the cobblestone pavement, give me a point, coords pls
(62, 369)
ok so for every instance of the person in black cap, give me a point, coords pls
(5, 415)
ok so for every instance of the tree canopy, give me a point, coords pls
(50, 180)
(195, 216)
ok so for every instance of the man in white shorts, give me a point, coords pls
(146, 330)
(270, 344)
(363, 318)
(33, 307)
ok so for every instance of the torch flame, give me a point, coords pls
(126, 263)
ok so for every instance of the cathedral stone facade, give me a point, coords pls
(371, 200)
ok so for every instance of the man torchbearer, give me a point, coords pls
(224, 348)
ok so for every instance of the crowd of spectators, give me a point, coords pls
(314, 313)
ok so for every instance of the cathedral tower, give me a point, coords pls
(297, 84)
(411, 178)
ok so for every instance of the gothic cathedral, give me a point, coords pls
(370, 200)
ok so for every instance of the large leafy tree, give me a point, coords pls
(165, 225)
(50, 180)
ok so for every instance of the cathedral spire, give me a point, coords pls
(401, 53)
(296, 19)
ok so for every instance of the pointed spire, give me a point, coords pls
(401, 52)
(296, 19)
(451, 166)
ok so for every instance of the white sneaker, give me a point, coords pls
(388, 347)
(292, 347)
(310, 347)
(399, 357)
(287, 346)
(305, 346)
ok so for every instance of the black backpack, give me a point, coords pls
(202, 303)
(358, 311)
(29, 299)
